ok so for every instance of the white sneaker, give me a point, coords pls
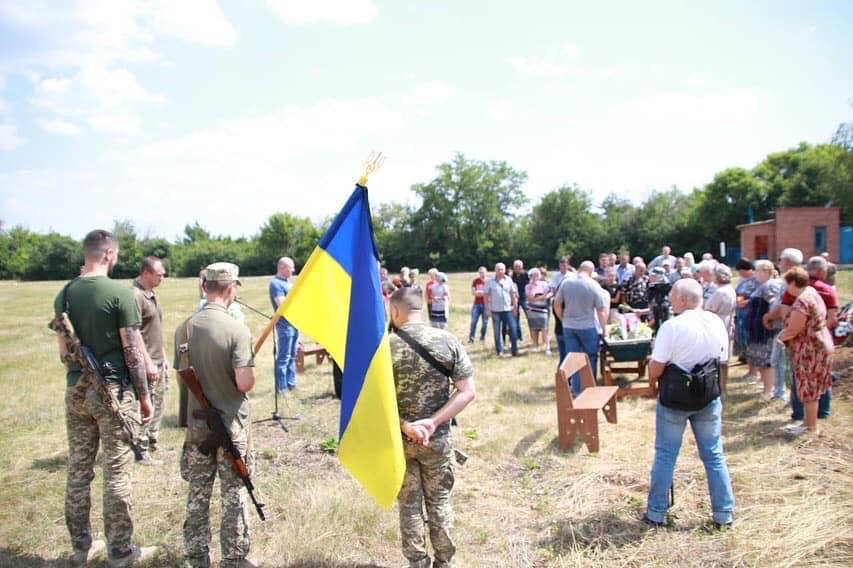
(535, 350)
(547, 352)
(138, 554)
(82, 557)
(797, 430)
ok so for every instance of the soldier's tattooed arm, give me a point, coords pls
(134, 356)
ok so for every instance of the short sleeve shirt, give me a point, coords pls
(152, 322)
(722, 302)
(98, 308)
(500, 293)
(580, 297)
(438, 292)
(279, 287)
(824, 290)
(422, 389)
(690, 338)
(478, 284)
(218, 344)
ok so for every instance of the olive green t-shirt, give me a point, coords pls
(98, 308)
(218, 344)
(152, 321)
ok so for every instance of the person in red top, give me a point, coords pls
(817, 268)
(433, 278)
(478, 310)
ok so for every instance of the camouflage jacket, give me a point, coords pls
(422, 389)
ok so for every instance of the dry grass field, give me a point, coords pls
(519, 500)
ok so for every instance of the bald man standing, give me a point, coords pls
(288, 336)
(686, 361)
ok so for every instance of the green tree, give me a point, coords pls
(734, 197)
(130, 251)
(55, 257)
(810, 176)
(285, 235)
(195, 233)
(392, 229)
(467, 211)
(563, 224)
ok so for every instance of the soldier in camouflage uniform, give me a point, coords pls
(427, 404)
(220, 350)
(106, 319)
(151, 275)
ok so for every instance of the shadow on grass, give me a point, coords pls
(599, 532)
(512, 397)
(17, 559)
(51, 465)
(527, 441)
(308, 563)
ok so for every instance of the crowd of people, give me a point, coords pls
(779, 319)
(768, 323)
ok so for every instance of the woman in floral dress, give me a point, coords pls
(808, 338)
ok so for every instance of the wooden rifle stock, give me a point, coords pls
(221, 436)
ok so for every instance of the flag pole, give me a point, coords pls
(266, 332)
(374, 162)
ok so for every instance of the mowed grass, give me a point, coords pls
(518, 501)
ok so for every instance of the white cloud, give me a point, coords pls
(76, 52)
(338, 12)
(680, 109)
(116, 123)
(429, 93)
(58, 126)
(500, 110)
(194, 21)
(9, 139)
(538, 67)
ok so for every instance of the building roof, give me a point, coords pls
(767, 222)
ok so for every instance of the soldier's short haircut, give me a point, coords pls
(148, 264)
(215, 287)
(97, 242)
(409, 299)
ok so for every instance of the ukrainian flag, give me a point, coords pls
(337, 300)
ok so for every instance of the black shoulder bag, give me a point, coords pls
(422, 351)
(691, 391)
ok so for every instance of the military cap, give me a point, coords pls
(223, 272)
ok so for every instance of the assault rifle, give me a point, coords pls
(219, 437)
(77, 352)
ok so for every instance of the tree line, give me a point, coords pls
(475, 212)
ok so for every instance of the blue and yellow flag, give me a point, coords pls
(337, 300)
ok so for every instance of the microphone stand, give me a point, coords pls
(276, 416)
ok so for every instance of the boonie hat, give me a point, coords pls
(223, 272)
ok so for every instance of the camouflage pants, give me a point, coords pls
(428, 480)
(150, 433)
(200, 471)
(89, 421)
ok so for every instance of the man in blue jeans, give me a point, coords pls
(502, 302)
(478, 309)
(694, 336)
(578, 303)
(288, 336)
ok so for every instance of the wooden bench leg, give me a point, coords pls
(300, 361)
(588, 426)
(610, 410)
(569, 434)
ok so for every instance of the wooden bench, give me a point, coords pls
(580, 415)
(319, 353)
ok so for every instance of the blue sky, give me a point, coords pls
(166, 113)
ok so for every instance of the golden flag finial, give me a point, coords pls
(373, 162)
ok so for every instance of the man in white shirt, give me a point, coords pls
(694, 336)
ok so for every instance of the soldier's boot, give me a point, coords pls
(138, 554)
(82, 557)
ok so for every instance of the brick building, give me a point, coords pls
(813, 230)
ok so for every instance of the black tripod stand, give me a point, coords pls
(276, 416)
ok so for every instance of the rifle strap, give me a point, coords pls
(424, 353)
(183, 343)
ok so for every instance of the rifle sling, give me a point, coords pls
(424, 353)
